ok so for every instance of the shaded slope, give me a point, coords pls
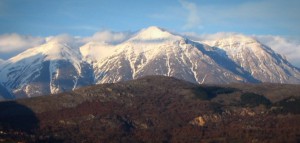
(5, 94)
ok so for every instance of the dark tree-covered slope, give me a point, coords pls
(156, 109)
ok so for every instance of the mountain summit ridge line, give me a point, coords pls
(58, 67)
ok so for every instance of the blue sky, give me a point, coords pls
(28, 23)
(85, 17)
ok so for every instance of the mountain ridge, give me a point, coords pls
(270, 63)
(59, 66)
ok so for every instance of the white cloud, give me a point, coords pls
(208, 37)
(108, 36)
(15, 42)
(12, 44)
(65, 38)
(193, 18)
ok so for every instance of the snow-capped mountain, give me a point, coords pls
(154, 51)
(50, 68)
(59, 66)
(259, 60)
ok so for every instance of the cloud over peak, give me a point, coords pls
(12, 44)
(108, 36)
(193, 18)
(15, 42)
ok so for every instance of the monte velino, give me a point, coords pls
(59, 66)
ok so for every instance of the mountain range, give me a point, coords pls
(59, 66)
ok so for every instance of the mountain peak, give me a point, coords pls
(154, 28)
(51, 50)
(154, 33)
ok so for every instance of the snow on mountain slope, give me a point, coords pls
(154, 51)
(1, 61)
(60, 65)
(50, 68)
(261, 61)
